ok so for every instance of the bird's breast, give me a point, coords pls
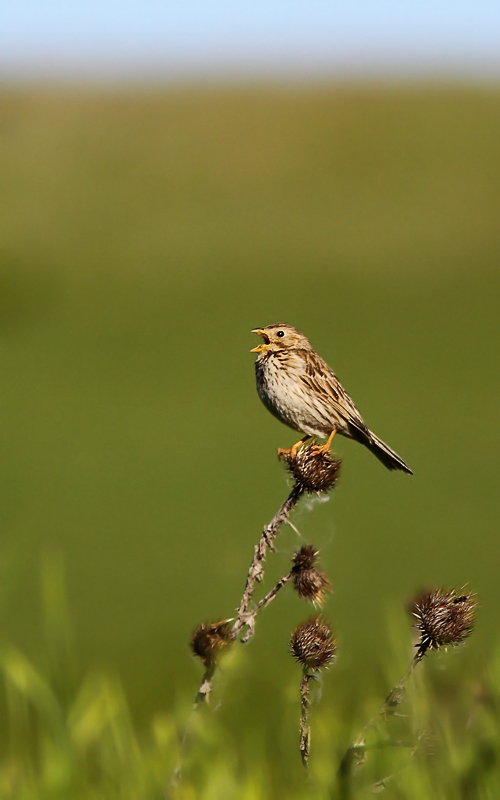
(282, 390)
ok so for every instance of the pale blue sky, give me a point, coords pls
(132, 39)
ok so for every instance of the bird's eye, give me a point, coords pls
(280, 334)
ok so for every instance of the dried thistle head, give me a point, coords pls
(413, 601)
(312, 644)
(310, 583)
(444, 618)
(313, 469)
(209, 638)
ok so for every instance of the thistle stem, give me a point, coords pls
(357, 748)
(305, 730)
(246, 617)
(256, 569)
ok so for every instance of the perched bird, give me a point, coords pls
(301, 390)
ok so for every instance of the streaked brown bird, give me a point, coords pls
(301, 390)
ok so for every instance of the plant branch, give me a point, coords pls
(305, 730)
(357, 749)
(256, 570)
(248, 618)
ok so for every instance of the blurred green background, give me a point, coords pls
(142, 235)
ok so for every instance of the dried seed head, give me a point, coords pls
(209, 638)
(313, 469)
(312, 644)
(305, 558)
(309, 582)
(444, 618)
(413, 602)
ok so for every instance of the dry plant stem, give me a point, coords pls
(357, 749)
(395, 696)
(267, 599)
(270, 595)
(256, 570)
(246, 617)
(203, 694)
(305, 730)
(249, 617)
(255, 573)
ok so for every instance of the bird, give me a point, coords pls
(299, 388)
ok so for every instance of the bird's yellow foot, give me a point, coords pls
(291, 452)
(324, 448)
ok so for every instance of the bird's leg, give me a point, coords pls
(324, 448)
(292, 451)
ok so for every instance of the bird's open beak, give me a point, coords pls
(265, 343)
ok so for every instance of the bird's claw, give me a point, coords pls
(318, 449)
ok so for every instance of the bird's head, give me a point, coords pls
(279, 336)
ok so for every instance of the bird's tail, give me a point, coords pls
(388, 457)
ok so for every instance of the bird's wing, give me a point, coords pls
(320, 379)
